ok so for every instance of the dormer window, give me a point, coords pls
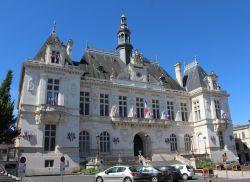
(55, 57)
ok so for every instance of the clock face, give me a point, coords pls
(138, 74)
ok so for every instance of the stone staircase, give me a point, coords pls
(5, 177)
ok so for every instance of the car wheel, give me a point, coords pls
(154, 179)
(127, 180)
(99, 179)
(184, 176)
(170, 178)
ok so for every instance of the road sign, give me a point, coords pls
(22, 159)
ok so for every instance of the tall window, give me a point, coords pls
(140, 107)
(156, 109)
(123, 106)
(104, 142)
(170, 110)
(50, 137)
(83, 143)
(104, 104)
(187, 141)
(173, 143)
(84, 103)
(247, 156)
(221, 139)
(197, 112)
(55, 57)
(243, 135)
(217, 109)
(52, 91)
(184, 112)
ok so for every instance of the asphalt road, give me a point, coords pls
(82, 178)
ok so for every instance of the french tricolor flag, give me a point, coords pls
(146, 109)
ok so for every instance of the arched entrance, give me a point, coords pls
(138, 145)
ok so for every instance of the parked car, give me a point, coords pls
(150, 174)
(186, 171)
(173, 174)
(117, 173)
(230, 164)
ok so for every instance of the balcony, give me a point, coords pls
(221, 124)
(49, 113)
(146, 122)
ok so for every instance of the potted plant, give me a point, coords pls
(235, 166)
(219, 166)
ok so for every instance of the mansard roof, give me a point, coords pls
(103, 65)
(53, 40)
(194, 77)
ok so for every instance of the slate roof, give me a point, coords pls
(101, 64)
(194, 77)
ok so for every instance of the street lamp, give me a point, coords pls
(98, 148)
(146, 152)
(205, 146)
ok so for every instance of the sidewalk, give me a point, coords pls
(232, 174)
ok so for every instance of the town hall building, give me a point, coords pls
(119, 103)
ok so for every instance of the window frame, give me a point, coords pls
(140, 107)
(156, 108)
(52, 91)
(105, 143)
(170, 110)
(84, 143)
(123, 106)
(104, 104)
(49, 137)
(85, 103)
(173, 143)
(197, 112)
(184, 111)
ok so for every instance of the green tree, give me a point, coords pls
(8, 130)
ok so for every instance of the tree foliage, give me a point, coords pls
(8, 130)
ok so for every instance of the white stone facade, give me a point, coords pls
(51, 125)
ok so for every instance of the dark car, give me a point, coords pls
(148, 173)
(173, 174)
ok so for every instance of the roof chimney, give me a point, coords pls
(178, 73)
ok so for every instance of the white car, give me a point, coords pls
(117, 173)
(186, 171)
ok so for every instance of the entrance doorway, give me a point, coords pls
(138, 145)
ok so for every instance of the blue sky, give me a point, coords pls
(217, 32)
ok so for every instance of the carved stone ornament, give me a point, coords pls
(137, 58)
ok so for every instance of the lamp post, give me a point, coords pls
(146, 147)
(98, 147)
(205, 146)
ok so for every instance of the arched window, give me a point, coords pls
(173, 143)
(83, 143)
(187, 141)
(104, 142)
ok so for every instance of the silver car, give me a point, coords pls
(117, 173)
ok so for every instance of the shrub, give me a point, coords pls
(205, 163)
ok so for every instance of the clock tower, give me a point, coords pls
(124, 47)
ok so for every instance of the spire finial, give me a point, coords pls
(54, 28)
